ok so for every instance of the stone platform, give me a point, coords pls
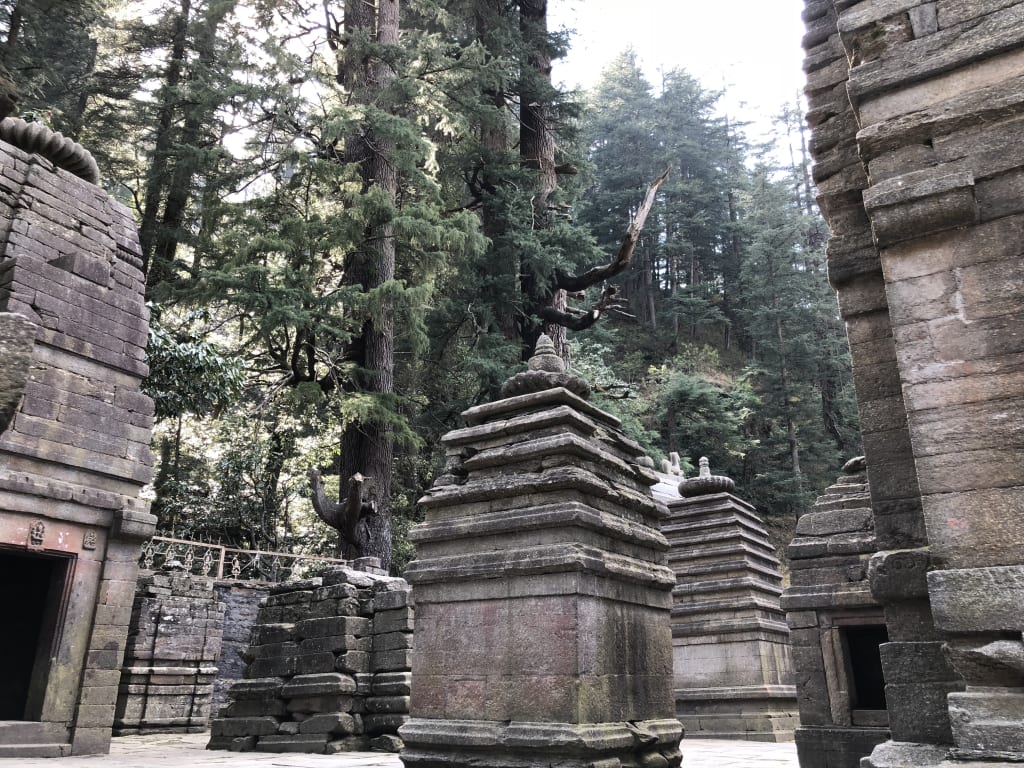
(175, 750)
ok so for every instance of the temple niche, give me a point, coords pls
(917, 110)
(74, 447)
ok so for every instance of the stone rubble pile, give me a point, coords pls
(174, 643)
(328, 668)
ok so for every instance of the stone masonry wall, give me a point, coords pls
(328, 668)
(74, 452)
(174, 642)
(917, 113)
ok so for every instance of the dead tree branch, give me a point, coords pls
(624, 257)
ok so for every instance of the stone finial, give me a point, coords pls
(545, 370)
(676, 464)
(855, 465)
(705, 483)
(545, 358)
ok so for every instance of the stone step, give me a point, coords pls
(857, 500)
(34, 750)
(692, 573)
(21, 732)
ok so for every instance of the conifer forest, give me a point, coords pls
(358, 218)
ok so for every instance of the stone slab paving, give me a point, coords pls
(188, 751)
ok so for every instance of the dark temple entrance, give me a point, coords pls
(31, 592)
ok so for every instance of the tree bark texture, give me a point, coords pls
(157, 178)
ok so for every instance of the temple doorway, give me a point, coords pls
(31, 593)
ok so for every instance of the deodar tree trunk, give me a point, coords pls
(367, 447)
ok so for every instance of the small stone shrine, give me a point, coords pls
(174, 643)
(837, 627)
(328, 668)
(542, 590)
(733, 674)
(74, 444)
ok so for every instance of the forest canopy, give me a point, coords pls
(357, 219)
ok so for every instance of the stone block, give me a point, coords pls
(988, 720)
(335, 644)
(899, 575)
(266, 634)
(335, 625)
(978, 599)
(396, 620)
(353, 662)
(392, 641)
(387, 601)
(257, 688)
(339, 723)
(332, 683)
(384, 723)
(320, 704)
(387, 704)
(243, 726)
(392, 684)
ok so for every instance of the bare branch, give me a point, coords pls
(624, 257)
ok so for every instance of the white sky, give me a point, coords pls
(750, 48)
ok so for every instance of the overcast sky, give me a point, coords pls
(751, 48)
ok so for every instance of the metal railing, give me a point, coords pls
(229, 564)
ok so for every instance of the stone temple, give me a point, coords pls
(74, 445)
(552, 589)
(917, 116)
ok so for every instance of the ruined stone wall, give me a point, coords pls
(327, 668)
(174, 644)
(74, 452)
(917, 113)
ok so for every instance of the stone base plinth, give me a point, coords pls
(750, 713)
(837, 747)
(163, 700)
(483, 744)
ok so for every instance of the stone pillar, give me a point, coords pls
(542, 593)
(174, 644)
(733, 673)
(74, 444)
(328, 668)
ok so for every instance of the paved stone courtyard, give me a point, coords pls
(175, 751)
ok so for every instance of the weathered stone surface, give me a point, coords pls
(525, 632)
(316, 639)
(173, 647)
(733, 676)
(74, 446)
(17, 337)
(937, 100)
(978, 599)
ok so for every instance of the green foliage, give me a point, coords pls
(188, 375)
(225, 124)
